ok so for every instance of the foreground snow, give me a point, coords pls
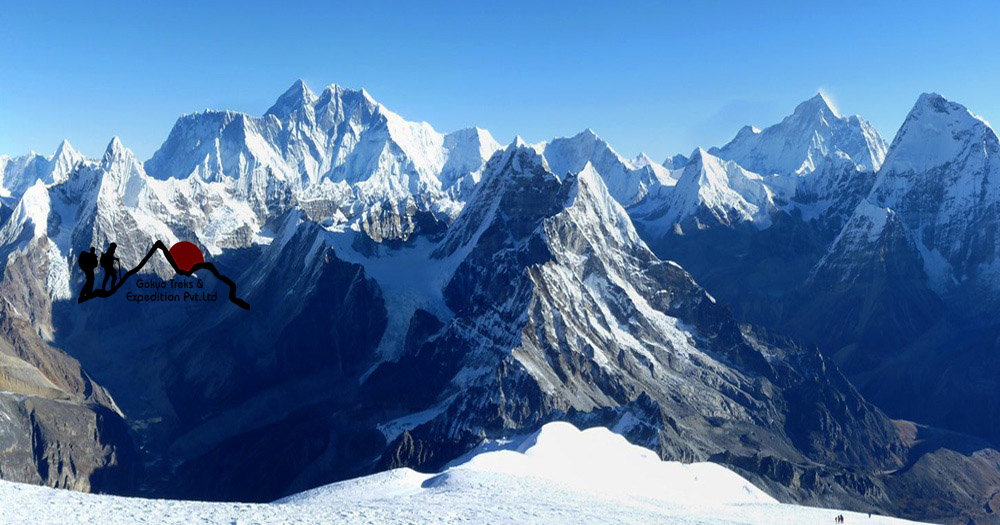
(560, 475)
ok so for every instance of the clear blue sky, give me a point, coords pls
(645, 76)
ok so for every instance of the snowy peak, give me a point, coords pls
(342, 152)
(805, 141)
(942, 178)
(119, 159)
(675, 162)
(711, 190)
(642, 160)
(570, 154)
(19, 173)
(467, 151)
(627, 181)
(816, 107)
(936, 132)
(295, 98)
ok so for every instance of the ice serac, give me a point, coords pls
(561, 311)
(339, 153)
(709, 192)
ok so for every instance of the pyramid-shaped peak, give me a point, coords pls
(65, 149)
(518, 142)
(931, 108)
(117, 153)
(294, 98)
(818, 103)
(936, 132)
(935, 103)
(115, 147)
(696, 155)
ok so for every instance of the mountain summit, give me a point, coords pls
(804, 140)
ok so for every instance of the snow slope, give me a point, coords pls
(540, 478)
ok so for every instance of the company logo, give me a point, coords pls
(184, 257)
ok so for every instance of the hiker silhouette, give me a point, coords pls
(88, 263)
(108, 260)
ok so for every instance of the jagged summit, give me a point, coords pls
(805, 141)
(819, 103)
(296, 97)
(341, 151)
(627, 181)
(115, 148)
(17, 174)
(710, 191)
(64, 148)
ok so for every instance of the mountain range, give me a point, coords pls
(804, 304)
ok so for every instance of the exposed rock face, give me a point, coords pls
(568, 280)
(60, 427)
(65, 444)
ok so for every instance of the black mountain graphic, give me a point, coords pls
(158, 245)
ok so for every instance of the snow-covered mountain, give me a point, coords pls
(628, 181)
(709, 192)
(415, 293)
(557, 474)
(942, 177)
(822, 162)
(801, 143)
(917, 263)
(939, 190)
(674, 162)
(340, 151)
(814, 164)
(17, 174)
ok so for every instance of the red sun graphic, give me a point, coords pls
(186, 255)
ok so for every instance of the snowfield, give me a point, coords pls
(557, 475)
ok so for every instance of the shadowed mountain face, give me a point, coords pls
(414, 293)
(890, 272)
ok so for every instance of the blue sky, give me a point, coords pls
(646, 76)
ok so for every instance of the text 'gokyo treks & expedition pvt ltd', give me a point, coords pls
(170, 292)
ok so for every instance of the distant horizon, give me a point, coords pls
(647, 77)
